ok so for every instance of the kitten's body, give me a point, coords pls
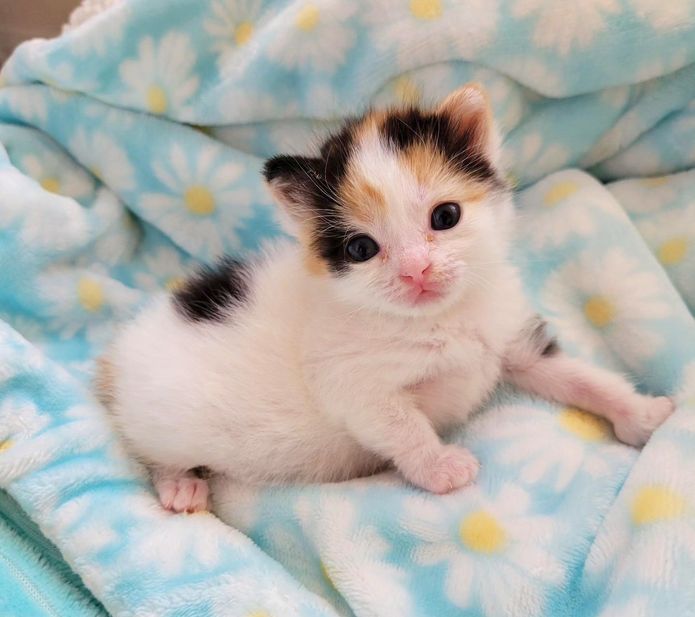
(307, 366)
(229, 390)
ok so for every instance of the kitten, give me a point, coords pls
(394, 316)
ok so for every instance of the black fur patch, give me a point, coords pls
(544, 344)
(312, 182)
(404, 128)
(208, 295)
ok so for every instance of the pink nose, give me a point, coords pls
(416, 273)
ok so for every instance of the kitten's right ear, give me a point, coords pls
(292, 181)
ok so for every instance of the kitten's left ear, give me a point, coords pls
(469, 110)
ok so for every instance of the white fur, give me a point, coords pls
(319, 378)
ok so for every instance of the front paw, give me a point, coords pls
(451, 468)
(636, 426)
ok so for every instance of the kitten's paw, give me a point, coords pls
(453, 468)
(184, 493)
(636, 427)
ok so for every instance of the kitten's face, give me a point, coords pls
(403, 209)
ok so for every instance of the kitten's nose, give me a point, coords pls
(416, 273)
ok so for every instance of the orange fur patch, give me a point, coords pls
(430, 167)
(362, 200)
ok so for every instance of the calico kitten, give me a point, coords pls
(394, 316)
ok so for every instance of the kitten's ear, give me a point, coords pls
(292, 181)
(469, 110)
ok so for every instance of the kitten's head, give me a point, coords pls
(404, 210)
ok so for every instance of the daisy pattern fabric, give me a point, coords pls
(130, 150)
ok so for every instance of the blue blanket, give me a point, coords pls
(129, 152)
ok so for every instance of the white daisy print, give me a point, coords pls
(353, 558)
(231, 26)
(201, 204)
(433, 82)
(497, 554)
(553, 446)
(251, 106)
(260, 595)
(197, 547)
(312, 35)
(161, 78)
(671, 236)
(422, 32)
(635, 607)
(96, 34)
(567, 26)
(664, 17)
(30, 328)
(57, 175)
(647, 195)
(534, 157)
(564, 205)
(104, 158)
(686, 395)
(289, 548)
(40, 214)
(20, 420)
(651, 529)
(537, 76)
(164, 268)
(28, 103)
(602, 304)
(84, 302)
(641, 159)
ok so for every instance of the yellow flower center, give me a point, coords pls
(51, 184)
(599, 311)
(559, 192)
(584, 425)
(174, 283)
(156, 100)
(327, 575)
(199, 200)
(5, 445)
(655, 181)
(243, 33)
(481, 532)
(259, 614)
(426, 9)
(407, 90)
(308, 18)
(673, 251)
(656, 503)
(90, 294)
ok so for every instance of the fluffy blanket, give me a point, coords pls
(129, 152)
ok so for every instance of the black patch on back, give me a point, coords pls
(402, 129)
(316, 181)
(209, 294)
(542, 342)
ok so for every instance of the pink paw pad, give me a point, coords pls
(183, 493)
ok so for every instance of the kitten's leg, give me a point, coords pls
(535, 364)
(180, 491)
(398, 431)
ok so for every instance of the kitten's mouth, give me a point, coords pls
(425, 295)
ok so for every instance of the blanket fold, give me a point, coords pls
(105, 131)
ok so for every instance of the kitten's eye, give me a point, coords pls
(445, 216)
(362, 248)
